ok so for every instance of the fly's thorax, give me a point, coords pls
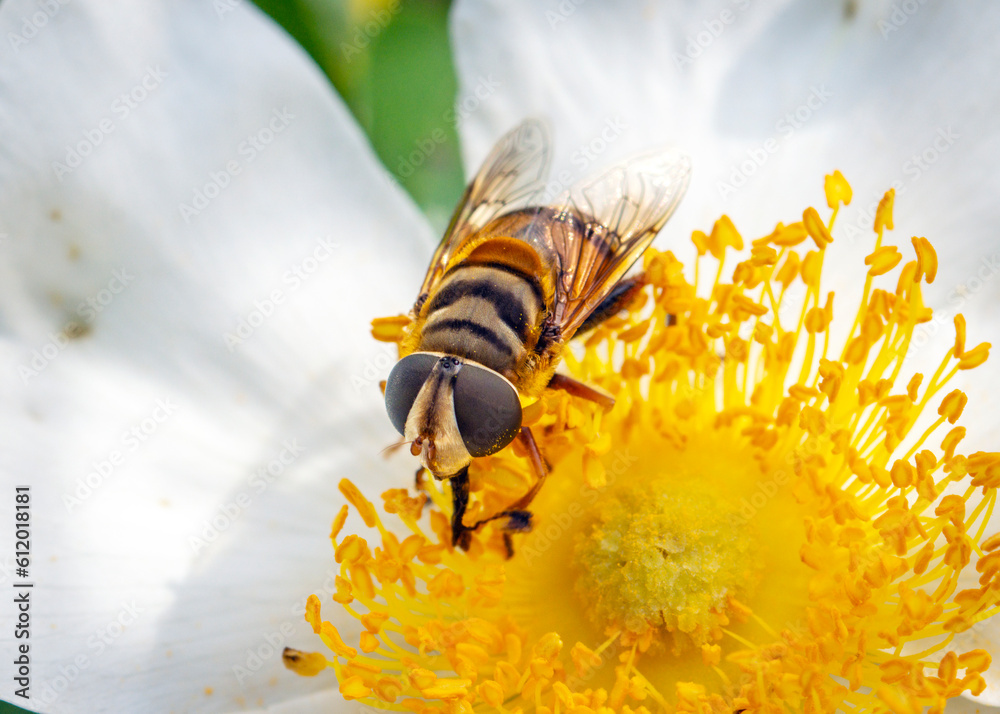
(487, 312)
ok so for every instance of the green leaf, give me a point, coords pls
(391, 62)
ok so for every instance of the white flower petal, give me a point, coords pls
(329, 700)
(184, 428)
(866, 97)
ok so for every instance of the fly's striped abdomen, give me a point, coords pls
(484, 312)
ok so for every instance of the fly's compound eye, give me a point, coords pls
(403, 385)
(487, 410)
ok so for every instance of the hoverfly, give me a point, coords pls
(513, 280)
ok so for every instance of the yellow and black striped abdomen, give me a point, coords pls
(487, 312)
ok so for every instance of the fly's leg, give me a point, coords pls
(579, 389)
(516, 510)
(517, 515)
(461, 535)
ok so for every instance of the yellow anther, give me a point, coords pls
(365, 508)
(410, 547)
(431, 554)
(857, 351)
(789, 269)
(313, 613)
(812, 265)
(895, 670)
(368, 642)
(816, 320)
(594, 473)
(744, 274)
(390, 329)
(351, 549)
(447, 689)
(541, 668)
(724, 235)
(975, 357)
(953, 508)
(354, 688)
(959, 623)
(992, 543)
(884, 259)
(514, 647)
(507, 676)
(762, 333)
(959, 349)
(748, 305)
(585, 659)
(548, 647)
(373, 621)
(700, 240)
(491, 693)
(907, 283)
(637, 689)
(816, 228)
(975, 683)
(388, 689)
(306, 664)
(762, 256)
(923, 559)
(812, 420)
(338, 524)
(950, 441)
(564, 694)
(897, 700)
(837, 190)
(399, 501)
(331, 638)
(790, 235)
(690, 693)
(446, 584)
(362, 669)
(474, 652)
(635, 333)
(883, 214)
(422, 678)
(975, 660)
(927, 262)
(959, 552)
(902, 474)
(345, 591)
(952, 405)
(802, 393)
(361, 579)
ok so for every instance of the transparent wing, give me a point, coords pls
(603, 226)
(511, 177)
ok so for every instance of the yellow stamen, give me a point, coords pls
(757, 524)
(308, 664)
(837, 190)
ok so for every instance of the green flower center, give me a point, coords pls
(662, 558)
